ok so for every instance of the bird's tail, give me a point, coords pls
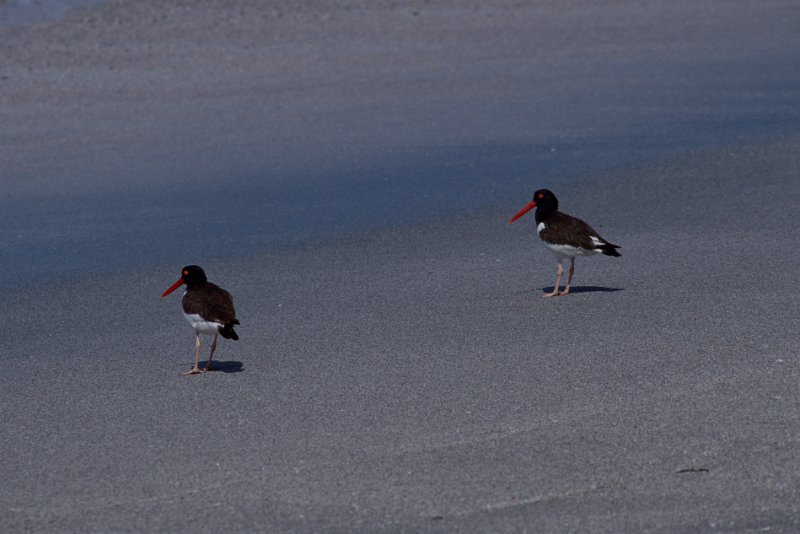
(228, 332)
(610, 249)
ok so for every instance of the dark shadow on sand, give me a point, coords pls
(593, 289)
(582, 289)
(224, 367)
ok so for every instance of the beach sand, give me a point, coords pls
(402, 374)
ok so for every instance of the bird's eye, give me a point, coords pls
(540, 195)
(185, 273)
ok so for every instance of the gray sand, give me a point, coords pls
(405, 374)
(287, 124)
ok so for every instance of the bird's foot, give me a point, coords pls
(565, 292)
(555, 293)
(195, 371)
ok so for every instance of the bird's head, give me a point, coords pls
(543, 199)
(190, 275)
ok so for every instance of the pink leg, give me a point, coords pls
(213, 348)
(195, 370)
(569, 279)
(558, 282)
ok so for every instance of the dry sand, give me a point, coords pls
(397, 369)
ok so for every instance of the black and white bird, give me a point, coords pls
(566, 236)
(208, 308)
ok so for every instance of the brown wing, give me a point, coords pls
(563, 229)
(211, 302)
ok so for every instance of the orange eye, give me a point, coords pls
(185, 273)
(540, 195)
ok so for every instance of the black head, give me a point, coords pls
(545, 203)
(191, 275)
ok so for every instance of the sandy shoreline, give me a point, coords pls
(127, 125)
(405, 375)
(414, 377)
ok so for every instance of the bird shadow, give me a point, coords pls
(224, 367)
(584, 289)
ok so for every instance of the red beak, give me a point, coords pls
(528, 207)
(172, 288)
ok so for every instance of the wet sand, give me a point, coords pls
(397, 368)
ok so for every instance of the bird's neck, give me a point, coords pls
(542, 215)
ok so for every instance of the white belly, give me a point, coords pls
(204, 327)
(568, 251)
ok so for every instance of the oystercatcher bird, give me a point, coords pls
(566, 236)
(208, 308)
